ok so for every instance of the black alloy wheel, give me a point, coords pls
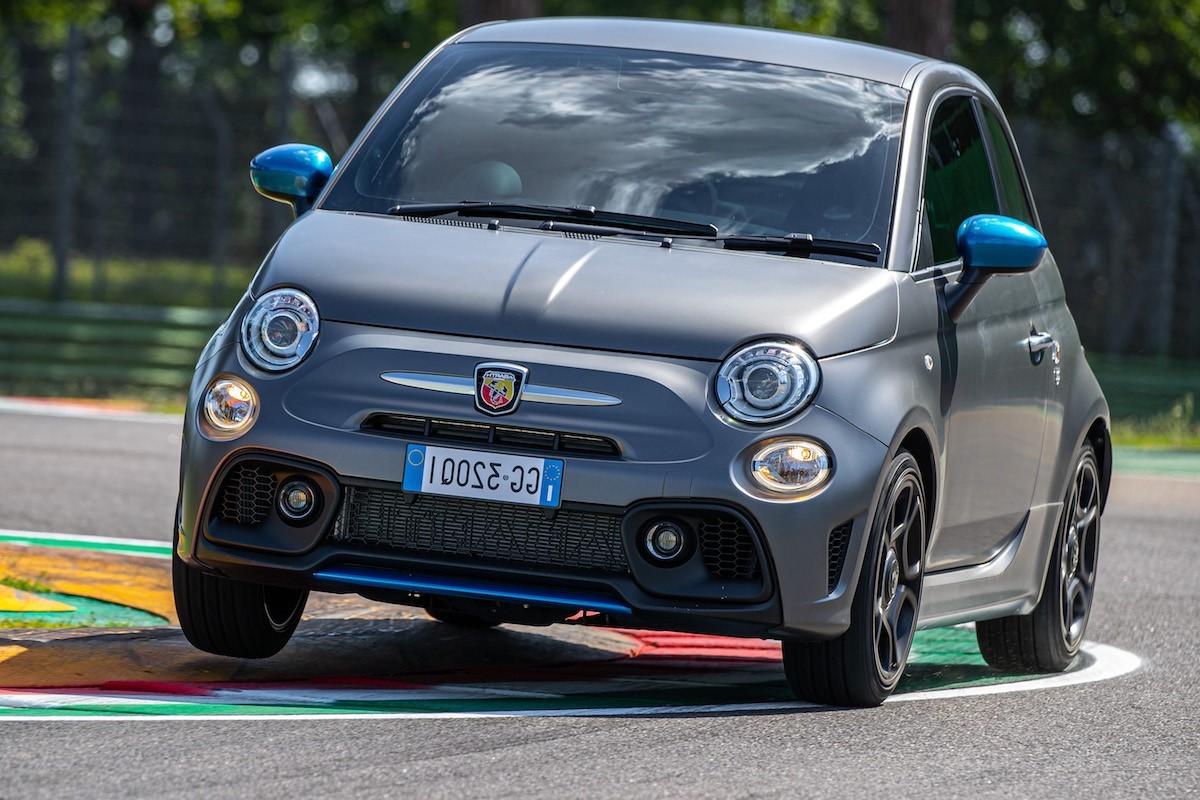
(862, 666)
(1048, 639)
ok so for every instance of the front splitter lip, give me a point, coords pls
(345, 570)
(471, 589)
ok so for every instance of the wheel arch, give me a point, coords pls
(917, 442)
(1101, 440)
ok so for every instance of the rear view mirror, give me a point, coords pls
(292, 174)
(999, 245)
(991, 244)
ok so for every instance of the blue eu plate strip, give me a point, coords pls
(552, 473)
(474, 589)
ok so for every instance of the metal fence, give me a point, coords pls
(111, 152)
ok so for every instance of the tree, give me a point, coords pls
(920, 26)
(1098, 65)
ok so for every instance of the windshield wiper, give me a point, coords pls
(583, 215)
(803, 245)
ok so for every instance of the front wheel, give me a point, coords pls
(863, 665)
(1048, 639)
(234, 618)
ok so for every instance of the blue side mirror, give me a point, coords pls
(999, 244)
(292, 174)
(991, 245)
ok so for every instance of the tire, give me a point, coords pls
(863, 665)
(1048, 638)
(234, 618)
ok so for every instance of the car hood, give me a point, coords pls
(457, 277)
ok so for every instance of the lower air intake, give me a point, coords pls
(726, 547)
(480, 531)
(248, 494)
(839, 543)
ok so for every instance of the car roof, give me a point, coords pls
(787, 48)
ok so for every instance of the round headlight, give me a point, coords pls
(280, 329)
(791, 466)
(229, 407)
(767, 382)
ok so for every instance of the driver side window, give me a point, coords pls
(958, 178)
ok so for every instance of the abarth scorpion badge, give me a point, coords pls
(498, 387)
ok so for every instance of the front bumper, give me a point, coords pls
(676, 458)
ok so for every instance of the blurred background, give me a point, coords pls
(128, 226)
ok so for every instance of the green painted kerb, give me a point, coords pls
(156, 549)
(88, 613)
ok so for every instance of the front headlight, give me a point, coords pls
(280, 329)
(767, 381)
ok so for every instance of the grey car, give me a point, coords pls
(657, 324)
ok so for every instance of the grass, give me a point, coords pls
(1152, 400)
(24, 585)
(31, 624)
(27, 271)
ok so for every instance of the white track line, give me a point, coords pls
(1110, 662)
(16, 405)
(98, 544)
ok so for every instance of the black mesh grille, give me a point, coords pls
(480, 530)
(727, 548)
(839, 541)
(247, 494)
(506, 436)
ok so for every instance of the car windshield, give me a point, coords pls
(750, 148)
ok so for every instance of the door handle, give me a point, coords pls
(1039, 342)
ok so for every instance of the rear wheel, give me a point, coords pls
(1048, 639)
(862, 666)
(234, 618)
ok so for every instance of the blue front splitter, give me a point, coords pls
(474, 589)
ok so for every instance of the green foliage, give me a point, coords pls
(1152, 400)
(27, 271)
(1093, 64)
(24, 584)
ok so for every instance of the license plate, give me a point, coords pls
(483, 476)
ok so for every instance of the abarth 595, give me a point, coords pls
(657, 324)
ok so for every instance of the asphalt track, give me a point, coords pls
(1133, 736)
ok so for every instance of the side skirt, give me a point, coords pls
(1010, 583)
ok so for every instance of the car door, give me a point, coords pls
(994, 389)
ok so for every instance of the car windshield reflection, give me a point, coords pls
(750, 148)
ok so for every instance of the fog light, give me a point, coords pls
(297, 500)
(230, 406)
(665, 541)
(791, 466)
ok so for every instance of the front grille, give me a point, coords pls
(247, 494)
(839, 542)
(727, 548)
(506, 436)
(510, 534)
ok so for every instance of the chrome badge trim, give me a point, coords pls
(533, 393)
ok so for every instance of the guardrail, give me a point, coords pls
(90, 349)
